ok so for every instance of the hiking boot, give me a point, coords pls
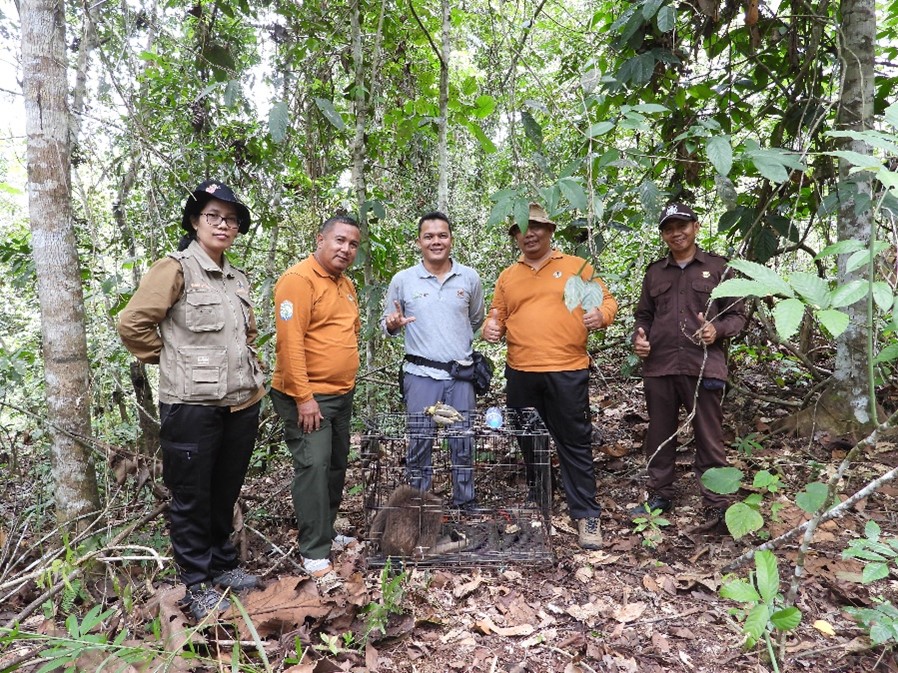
(342, 542)
(654, 502)
(590, 530)
(236, 579)
(322, 571)
(202, 600)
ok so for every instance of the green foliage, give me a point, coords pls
(744, 517)
(878, 553)
(392, 591)
(747, 444)
(762, 610)
(880, 621)
(649, 527)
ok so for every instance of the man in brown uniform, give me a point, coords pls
(317, 358)
(680, 335)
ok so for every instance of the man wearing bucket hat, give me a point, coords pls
(548, 366)
(680, 333)
(193, 316)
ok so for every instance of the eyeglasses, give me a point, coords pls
(215, 220)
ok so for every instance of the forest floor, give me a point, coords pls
(639, 604)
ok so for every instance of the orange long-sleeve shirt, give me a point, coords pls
(542, 334)
(317, 325)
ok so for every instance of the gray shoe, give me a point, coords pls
(235, 579)
(590, 530)
(202, 600)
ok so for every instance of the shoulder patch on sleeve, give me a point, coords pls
(285, 310)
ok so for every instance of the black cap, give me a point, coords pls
(205, 192)
(676, 211)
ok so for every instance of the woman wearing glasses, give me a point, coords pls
(193, 316)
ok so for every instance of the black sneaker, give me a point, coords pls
(235, 579)
(202, 600)
(469, 506)
(655, 502)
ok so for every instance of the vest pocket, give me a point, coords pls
(205, 312)
(203, 369)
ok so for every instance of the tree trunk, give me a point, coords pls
(852, 387)
(360, 107)
(443, 147)
(66, 370)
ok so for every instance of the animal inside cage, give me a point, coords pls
(422, 510)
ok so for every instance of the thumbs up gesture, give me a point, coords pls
(706, 332)
(396, 320)
(492, 328)
(641, 344)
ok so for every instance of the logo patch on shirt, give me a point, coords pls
(350, 298)
(460, 294)
(285, 310)
(706, 274)
(557, 274)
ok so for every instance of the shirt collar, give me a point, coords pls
(318, 269)
(422, 271)
(206, 261)
(556, 254)
(700, 257)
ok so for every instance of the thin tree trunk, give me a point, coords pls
(852, 383)
(443, 148)
(66, 370)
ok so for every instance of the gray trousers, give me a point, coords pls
(421, 392)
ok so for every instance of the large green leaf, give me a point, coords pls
(650, 8)
(330, 113)
(485, 143)
(887, 354)
(742, 520)
(786, 619)
(841, 247)
(771, 169)
(278, 121)
(875, 570)
(882, 295)
(811, 287)
(812, 497)
(579, 292)
(600, 129)
(724, 480)
(666, 19)
(862, 257)
(740, 287)
(756, 624)
(848, 294)
(574, 193)
(787, 315)
(834, 321)
(741, 591)
(720, 154)
(484, 106)
(767, 575)
(764, 275)
(867, 161)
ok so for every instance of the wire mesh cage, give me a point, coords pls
(485, 488)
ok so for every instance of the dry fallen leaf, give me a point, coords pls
(685, 658)
(584, 574)
(824, 627)
(629, 612)
(507, 631)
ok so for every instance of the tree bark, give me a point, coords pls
(852, 385)
(443, 145)
(66, 370)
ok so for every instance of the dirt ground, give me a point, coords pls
(642, 603)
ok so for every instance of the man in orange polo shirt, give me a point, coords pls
(548, 366)
(316, 361)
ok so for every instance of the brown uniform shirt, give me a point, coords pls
(668, 309)
(317, 321)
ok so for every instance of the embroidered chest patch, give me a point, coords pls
(285, 310)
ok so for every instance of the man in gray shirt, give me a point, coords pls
(439, 304)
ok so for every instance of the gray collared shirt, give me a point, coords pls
(446, 314)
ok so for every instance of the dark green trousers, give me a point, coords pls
(319, 468)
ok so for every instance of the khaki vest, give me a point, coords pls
(205, 358)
